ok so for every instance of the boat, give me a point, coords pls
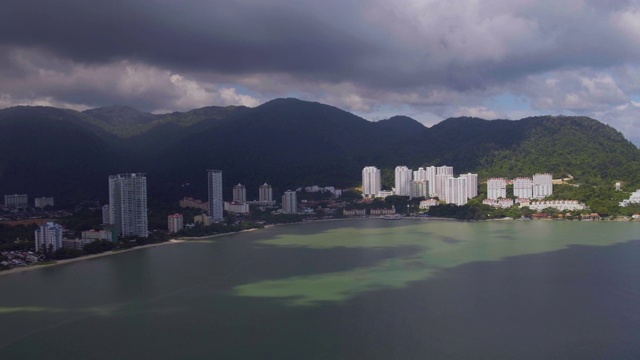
(391, 217)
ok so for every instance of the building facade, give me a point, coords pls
(49, 237)
(419, 188)
(472, 184)
(403, 177)
(456, 191)
(371, 183)
(542, 185)
(175, 223)
(265, 193)
(41, 202)
(236, 207)
(523, 188)
(128, 204)
(240, 193)
(496, 188)
(289, 202)
(16, 200)
(216, 204)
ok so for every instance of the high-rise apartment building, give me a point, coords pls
(265, 193)
(419, 188)
(542, 185)
(49, 237)
(472, 184)
(289, 202)
(403, 180)
(128, 204)
(371, 184)
(431, 178)
(523, 188)
(240, 193)
(456, 191)
(441, 183)
(175, 223)
(496, 188)
(216, 204)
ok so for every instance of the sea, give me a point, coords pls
(353, 289)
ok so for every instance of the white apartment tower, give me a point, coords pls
(128, 204)
(265, 193)
(456, 191)
(216, 205)
(496, 188)
(49, 237)
(289, 202)
(240, 193)
(371, 184)
(472, 184)
(441, 183)
(431, 178)
(523, 188)
(403, 180)
(542, 185)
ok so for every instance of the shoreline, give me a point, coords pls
(85, 257)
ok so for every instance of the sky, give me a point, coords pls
(427, 59)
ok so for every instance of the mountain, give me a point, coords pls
(287, 143)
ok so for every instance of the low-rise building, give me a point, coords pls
(425, 204)
(236, 208)
(354, 212)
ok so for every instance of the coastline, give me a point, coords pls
(86, 257)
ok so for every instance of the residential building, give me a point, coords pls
(204, 219)
(419, 188)
(175, 223)
(240, 193)
(456, 191)
(16, 200)
(444, 170)
(128, 204)
(188, 202)
(542, 185)
(441, 183)
(496, 188)
(216, 205)
(41, 202)
(523, 188)
(504, 203)
(354, 212)
(561, 205)
(236, 207)
(431, 178)
(420, 175)
(265, 193)
(391, 211)
(371, 184)
(49, 237)
(289, 202)
(93, 235)
(472, 184)
(403, 180)
(633, 199)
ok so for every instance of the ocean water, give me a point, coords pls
(360, 289)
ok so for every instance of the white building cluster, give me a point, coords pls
(128, 204)
(538, 187)
(633, 199)
(424, 182)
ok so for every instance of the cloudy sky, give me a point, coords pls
(428, 59)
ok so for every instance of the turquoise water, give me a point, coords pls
(362, 289)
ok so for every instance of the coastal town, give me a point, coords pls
(427, 192)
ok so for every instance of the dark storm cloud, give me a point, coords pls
(436, 57)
